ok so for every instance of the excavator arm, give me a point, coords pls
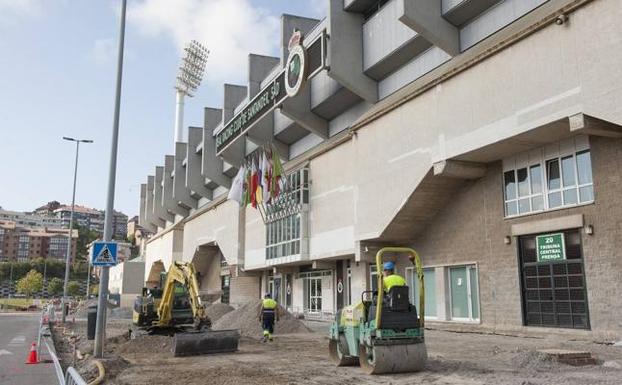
(184, 274)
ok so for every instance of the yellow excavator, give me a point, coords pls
(175, 308)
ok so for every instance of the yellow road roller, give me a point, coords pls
(383, 333)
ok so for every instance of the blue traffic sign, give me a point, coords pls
(104, 254)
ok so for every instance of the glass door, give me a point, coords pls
(464, 293)
(429, 281)
(315, 295)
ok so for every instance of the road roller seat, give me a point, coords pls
(397, 311)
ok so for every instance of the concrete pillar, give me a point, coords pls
(168, 201)
(345, 30)
(212, 166)
(195, 181)
(158, 208)
(150, 216)
(425, 18)
(181, 193)
(232, 97)
(142, 220)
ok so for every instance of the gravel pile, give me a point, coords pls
(246, 319)
(217, 310)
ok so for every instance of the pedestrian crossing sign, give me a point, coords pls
(104, 254)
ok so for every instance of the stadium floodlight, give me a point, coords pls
(189, 79)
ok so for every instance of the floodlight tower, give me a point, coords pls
(188, 80)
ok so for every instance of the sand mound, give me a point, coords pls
(246, 319)
(217, 310)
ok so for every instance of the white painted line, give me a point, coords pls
(18, 340)
(4, 352)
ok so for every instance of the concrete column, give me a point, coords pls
(212, 166)
(150, 216)
(142, 220)
(168, 201)
(425, 18)
(233, 96)
(345, 52)
(181, 193)
(159, 209)
(195, 181)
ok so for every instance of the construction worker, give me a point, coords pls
(268, 316)
(390, 278)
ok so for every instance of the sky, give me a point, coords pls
(57, 75)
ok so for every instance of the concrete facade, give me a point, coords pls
(126, 279)
(425, 165)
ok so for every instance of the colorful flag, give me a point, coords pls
(254, 183)
(277, 172)
(265, 184)
(236, 191)
(247, 186)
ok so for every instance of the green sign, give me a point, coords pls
(274, 93)
(551, 247)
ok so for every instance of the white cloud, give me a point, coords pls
(10, 9)
(103, 51)
(231, 29)
(319, 7)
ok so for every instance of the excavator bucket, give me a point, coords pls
(207, 342)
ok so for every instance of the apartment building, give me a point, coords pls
(30, 219)
(484, 134)
(21, 244)
(93, 219)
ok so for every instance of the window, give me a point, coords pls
(58, 247)
(23, 248)
(429, 281)
(373, 277)
(285, 217)
(545, 183)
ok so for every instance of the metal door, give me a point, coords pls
(554, 293)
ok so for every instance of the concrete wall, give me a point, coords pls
(166, 248)
(219, 225)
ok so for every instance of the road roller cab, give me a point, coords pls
(384, 332)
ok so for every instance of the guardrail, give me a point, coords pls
(71, 377)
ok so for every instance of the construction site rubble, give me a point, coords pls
(246, 320)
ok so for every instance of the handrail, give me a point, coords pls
(416, 261)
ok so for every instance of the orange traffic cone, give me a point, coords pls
(32, 356)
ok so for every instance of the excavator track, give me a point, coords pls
(205, 342)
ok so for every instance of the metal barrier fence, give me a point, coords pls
(72, 377)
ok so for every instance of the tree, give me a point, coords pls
(73, 288)
(85, 236)
(31, 283)
(55, 286)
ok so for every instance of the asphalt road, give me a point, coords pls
(17, 333)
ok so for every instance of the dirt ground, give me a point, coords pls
(454, 358)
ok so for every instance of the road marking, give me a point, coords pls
(18, 340)
(5, 353)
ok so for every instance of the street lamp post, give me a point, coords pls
(102, 299)
(69, 237)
